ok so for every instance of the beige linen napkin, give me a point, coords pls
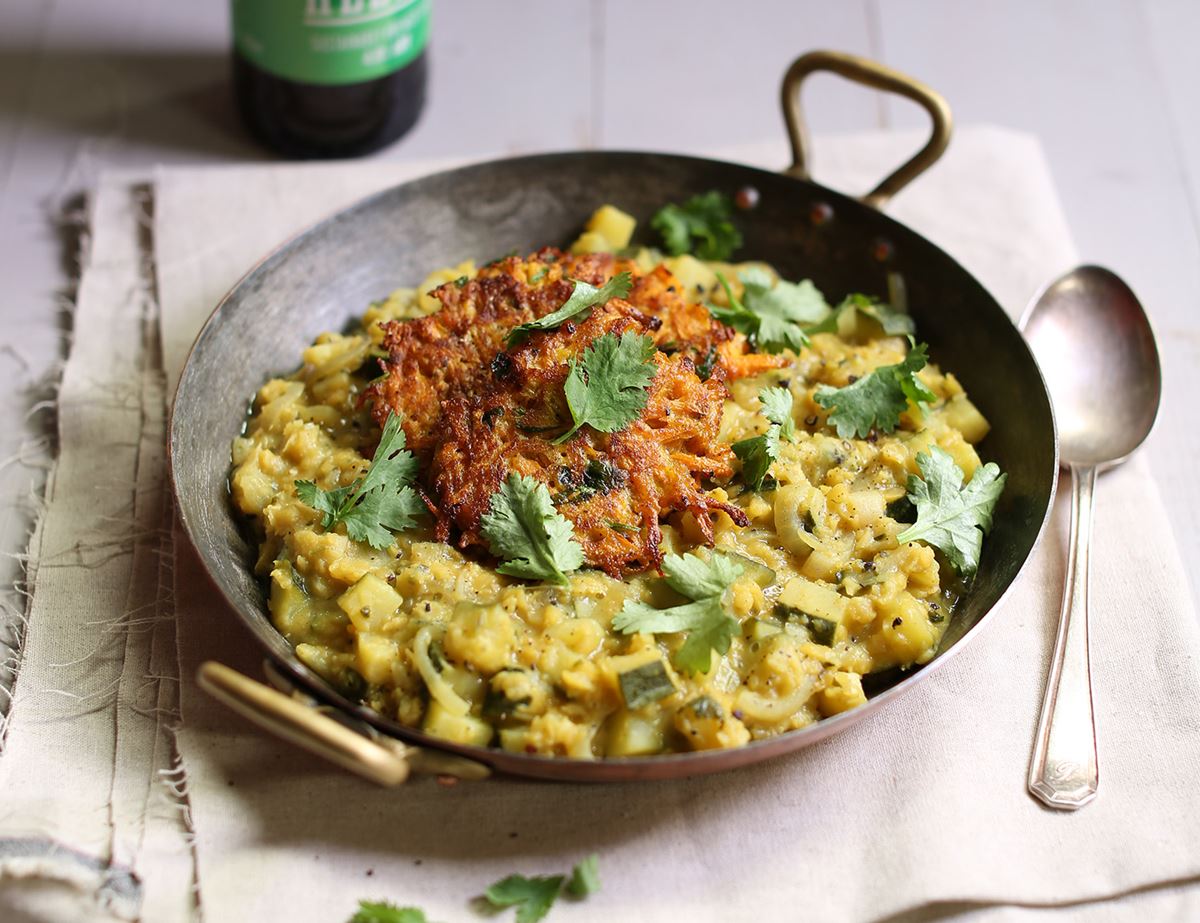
(924, 804)
(87, 770)
(922, 807)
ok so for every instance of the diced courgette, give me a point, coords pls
(814, 598)
(753, 568)
(645, 684)
(821, 630)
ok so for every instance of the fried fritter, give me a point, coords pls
(450, 353)
(474, 410)
(613, 487)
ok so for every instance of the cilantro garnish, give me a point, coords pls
(607, 390)
(777, 407)
(704, 221)
(585, 877)
(773, 316)
(533, 539)
(758, 452)
(709, 627)
(876, 401)
(952, 517)
(533, 897)
(893, 322)
(386, 912)
(377, 504)
(583, 296)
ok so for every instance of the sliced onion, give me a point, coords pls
(437, 685)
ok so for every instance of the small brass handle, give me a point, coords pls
(302, 725)
(872, 74)
(378, 758)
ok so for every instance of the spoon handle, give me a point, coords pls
(1064, 772)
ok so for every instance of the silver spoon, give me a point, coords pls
(1097, 353)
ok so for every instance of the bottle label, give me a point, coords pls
(330, 41)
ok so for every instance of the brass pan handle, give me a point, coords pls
(385, 762)
(869, 73)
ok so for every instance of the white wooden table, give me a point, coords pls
(1112, 88)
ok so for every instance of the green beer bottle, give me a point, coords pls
(329, 78)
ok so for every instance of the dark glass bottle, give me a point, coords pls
(329, 78)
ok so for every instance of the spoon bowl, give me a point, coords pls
(1096, 350)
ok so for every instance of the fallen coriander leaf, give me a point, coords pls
(386, 912)
(585, 877)
(533, 897)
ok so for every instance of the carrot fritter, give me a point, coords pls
(613, 487)
(449, 353)
(474, 410)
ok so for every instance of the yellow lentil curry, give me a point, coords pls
(818, 591)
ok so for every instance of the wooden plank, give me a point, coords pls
(696, 75)
(1083, 76)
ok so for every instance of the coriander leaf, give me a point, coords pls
(380, 502)
(583, 296)
(585, 877)
(708, 625)
(950, 516)
(915, 389)
(777, 407)
(533, 897)
(771, 315)
(392, 463)
(756, 455)
(327, 502)
(876, 401)
(893, 322)
(382, 512)
(715, 634)
(523, 528)
(386, 912)
(703, 225)
(607, 390)
(758, 452)
(692, 576)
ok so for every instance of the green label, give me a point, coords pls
(330, 41)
